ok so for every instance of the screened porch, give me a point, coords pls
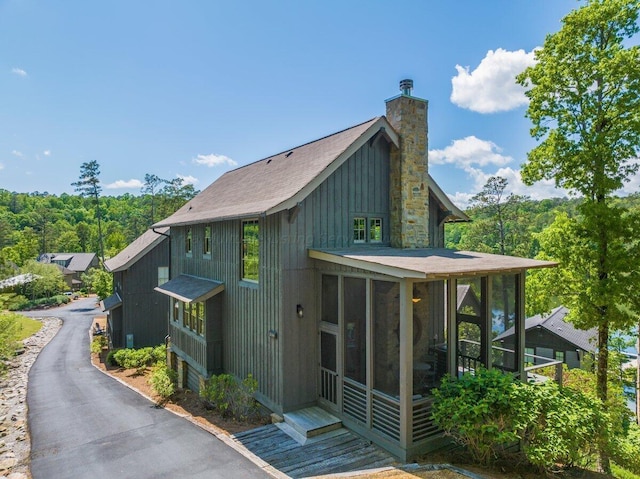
(387, 337)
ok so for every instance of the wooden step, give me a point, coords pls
(312, 421)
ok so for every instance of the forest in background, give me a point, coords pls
(36, 223)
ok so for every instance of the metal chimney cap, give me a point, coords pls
(406, 86)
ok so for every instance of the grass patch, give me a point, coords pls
(622, 473)
(26, 326)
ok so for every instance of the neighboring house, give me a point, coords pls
(551, 336)
(321, 271)
(72, 265)
(137, 316)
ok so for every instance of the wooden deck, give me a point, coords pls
(333, 452)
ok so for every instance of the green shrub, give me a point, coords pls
(138, 359)
(230, 397)
(159, 354)
(98, 343)
(8, 343)
(111, 360)
(490, 411)
(24, 304)
(626, 452)
(478, 412)
(163, 382)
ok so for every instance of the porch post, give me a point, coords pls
(452, 327)
(406, 362)
(487, 321)
(520, 327)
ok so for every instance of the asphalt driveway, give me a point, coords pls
(84, 424)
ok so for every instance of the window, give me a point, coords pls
(560, 356)
(359, 230)
(186, 315)
(206, 248)
(193, 316)
(528, 356)
(200, 318)
(188, 240)
(163, 275)
(175, 304)
(375, 230)
(250, 250)
(367, 230)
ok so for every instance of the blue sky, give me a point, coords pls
(192, 89)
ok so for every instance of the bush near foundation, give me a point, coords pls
(231, 397)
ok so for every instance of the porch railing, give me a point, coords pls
(328, 385)
(468, 363)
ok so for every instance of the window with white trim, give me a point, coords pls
(163, 275)
(250, 250)
(375, 230)
(188, 240)
(206, 245)
(359, 230)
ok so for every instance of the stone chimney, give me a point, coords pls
(409, 170)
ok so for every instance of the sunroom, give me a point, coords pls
(394, 321)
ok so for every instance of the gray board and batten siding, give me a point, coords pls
(143, 313)
(262, 334)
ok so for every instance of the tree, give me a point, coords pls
(583, 93)
(501, 217)
(175, 194)
(50, 279)
(151, 184)
(89, 186)
(99, 281)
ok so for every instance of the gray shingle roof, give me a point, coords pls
(426, 263)
(77, 262)
(278, 182)
(136, 250)
(556, 323)
(190, 289)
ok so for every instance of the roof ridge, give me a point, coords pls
(370, 120)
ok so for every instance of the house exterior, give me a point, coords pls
(551, 336)
(137, 315)
(72, 266)
(321, 271)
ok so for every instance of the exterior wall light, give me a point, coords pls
(299, 311)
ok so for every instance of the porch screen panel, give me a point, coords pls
(470, 324)
(503, 315)
(355, 328)
(386, 334)
(329, 299)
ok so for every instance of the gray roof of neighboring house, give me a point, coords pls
(17, 280)
(73, 261)
(136, 250)
(555, 323)
(281, 181)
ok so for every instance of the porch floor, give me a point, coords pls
(333, 452)
(309, 422)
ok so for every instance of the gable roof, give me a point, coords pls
(77, 262)
(136, 250)
(556, 323)
(280, 181)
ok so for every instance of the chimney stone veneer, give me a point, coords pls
(409, 172)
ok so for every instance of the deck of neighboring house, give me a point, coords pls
(313, 453)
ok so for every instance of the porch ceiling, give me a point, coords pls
(190, 289)
(427, 263)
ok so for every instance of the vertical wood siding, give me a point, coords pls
(248, 311)
(144, 311)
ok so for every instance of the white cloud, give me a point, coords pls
(188, 179)
(19, 72)
(469, 151)
(214, 160)
(1, 166)
(492, 87)
(17, 153)
(125, 184)
(46, 152)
